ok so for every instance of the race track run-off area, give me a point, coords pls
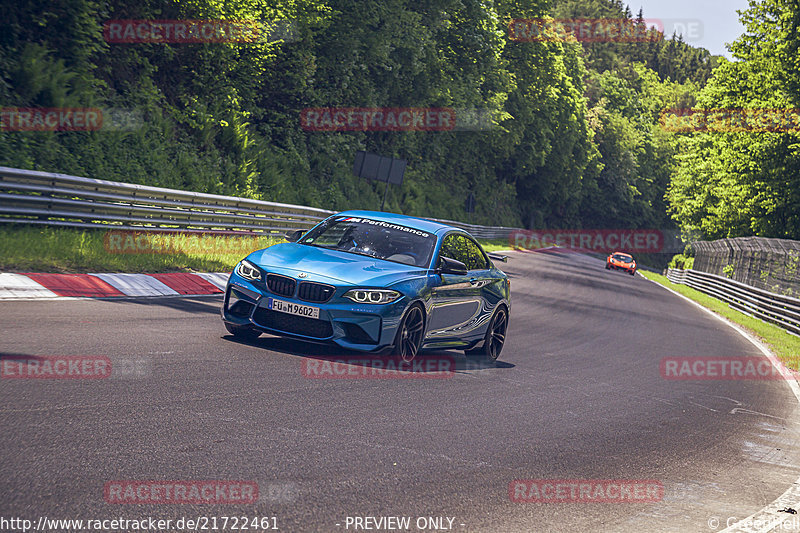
(577, 394)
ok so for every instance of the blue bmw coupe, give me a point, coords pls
(373, 282)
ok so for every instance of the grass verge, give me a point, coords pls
(495, 245)
(783, 344)
(49, 249)
(71, 250)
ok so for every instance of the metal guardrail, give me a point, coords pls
(764, 263)
(783, 311)
(33, 197)
(480, 232)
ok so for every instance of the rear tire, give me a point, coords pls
(495, 336)
(243, 332)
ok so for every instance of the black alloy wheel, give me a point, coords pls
(409, 334)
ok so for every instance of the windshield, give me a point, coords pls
(624, 258)
(374, 238)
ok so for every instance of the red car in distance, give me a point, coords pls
(621, 261)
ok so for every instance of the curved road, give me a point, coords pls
(577, 395)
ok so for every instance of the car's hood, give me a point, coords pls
(331, 266)
(620, 262)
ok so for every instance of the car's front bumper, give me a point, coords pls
(364, 327)
(620, 267)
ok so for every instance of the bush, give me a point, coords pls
(681, 262)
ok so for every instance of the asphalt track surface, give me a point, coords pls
(577, 394)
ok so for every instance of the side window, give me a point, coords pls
(477, 259)
(453, 247)
(461, 248)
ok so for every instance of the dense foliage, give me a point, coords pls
(734, 184)
(575, 142)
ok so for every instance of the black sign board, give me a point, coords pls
(376, 167)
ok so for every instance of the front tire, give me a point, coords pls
(495, 336)
(242, 332)
(409, 334)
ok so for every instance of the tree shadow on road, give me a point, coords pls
(190, 304)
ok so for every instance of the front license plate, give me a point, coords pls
(292, 309)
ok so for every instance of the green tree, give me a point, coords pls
(731, 184)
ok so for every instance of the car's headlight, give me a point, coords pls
(248, 270)
(372, 296)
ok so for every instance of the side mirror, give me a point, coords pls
(294, 236)
(452, 266)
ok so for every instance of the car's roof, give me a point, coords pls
(402, 220)
(626, 254)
